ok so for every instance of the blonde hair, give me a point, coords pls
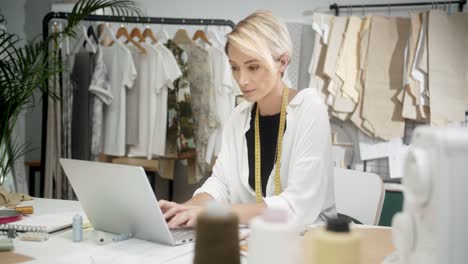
(263, 36)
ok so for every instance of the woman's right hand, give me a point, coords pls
(179, 215)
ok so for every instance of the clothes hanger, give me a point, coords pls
(214, 38)
(200, 34)
(83, 39)
(148, 33)
(136, 33)
(181, 37)
(106, 35)
(92, 34)
(123, 32)
(162, 34)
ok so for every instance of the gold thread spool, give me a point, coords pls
(25, 209)
(333, 244)
(217, 236)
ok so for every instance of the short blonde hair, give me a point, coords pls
(263, 36)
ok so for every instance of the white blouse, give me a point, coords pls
(306, 163)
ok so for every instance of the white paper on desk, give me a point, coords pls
(130, 251)
(397, 155)
(370, 148)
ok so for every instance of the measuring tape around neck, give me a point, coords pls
(258, 179)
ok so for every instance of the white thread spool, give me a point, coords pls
(100, 238)
(77, 228)
(272, 239)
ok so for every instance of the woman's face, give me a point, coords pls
(254, 78)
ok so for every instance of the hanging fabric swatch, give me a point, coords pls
(448, 67)
(384, 77)
(364, 35)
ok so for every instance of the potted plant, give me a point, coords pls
(25, 69)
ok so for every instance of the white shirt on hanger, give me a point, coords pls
(165, 74)
(122, 73)
(225, 95)
(306, 164)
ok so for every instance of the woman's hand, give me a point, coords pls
(179, 215)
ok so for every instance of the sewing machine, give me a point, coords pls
(432, 226)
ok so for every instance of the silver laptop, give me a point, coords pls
(119, 199)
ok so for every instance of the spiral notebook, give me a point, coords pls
(47, 223)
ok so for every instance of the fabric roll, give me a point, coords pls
(448, 67)
(384, 77)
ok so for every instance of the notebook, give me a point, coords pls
(48, 223)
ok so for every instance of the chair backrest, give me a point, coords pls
(359, 195)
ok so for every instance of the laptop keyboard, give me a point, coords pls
(183, 235)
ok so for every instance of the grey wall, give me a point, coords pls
(24, 17)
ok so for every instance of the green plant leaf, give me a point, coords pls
(26, 69)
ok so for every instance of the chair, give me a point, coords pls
(359, 195)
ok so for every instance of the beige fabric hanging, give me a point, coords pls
(321, 24)
(448, 67)
(384, 77)
(364, 34)
(411, 110)
(347, 65)
(334, 46)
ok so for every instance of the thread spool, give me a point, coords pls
(25, 209)
(217, 236)
(272, 239)
(333, 244)
(100, 238)
(6, 244)
(77, 227)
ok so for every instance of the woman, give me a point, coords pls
(247, 173)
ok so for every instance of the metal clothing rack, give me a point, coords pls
(336, 7)
(119, 19)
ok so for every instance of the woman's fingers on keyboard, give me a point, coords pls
(179, 220)
(166, 205)
(174, 211)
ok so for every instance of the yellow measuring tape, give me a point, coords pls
(258, 179)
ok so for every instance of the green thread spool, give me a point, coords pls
(217, 236)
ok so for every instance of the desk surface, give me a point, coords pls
(376, 244)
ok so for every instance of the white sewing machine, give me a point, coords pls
(433, 225)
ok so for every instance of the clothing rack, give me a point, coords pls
(119, 19)
(336, 7)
